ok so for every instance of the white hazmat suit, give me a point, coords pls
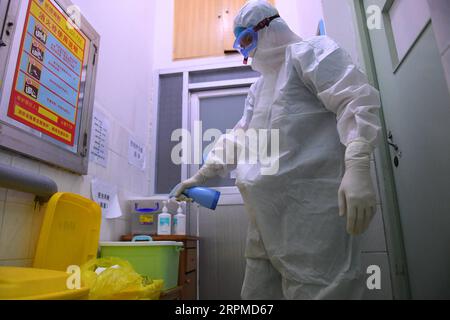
(326, 114)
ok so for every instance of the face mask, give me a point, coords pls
(247, 39)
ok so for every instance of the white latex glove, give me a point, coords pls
(195, 181)
(217, 163)
(357, 199)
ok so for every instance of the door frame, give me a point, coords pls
(230, 195)
(385, 172)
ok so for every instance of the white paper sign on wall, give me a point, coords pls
(136, 153)
(105, 195)
(100, 139)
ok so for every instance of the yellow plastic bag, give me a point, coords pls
(118, 282)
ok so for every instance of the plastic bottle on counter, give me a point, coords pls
(179, 222)
(164, 222)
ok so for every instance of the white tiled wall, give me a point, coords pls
(20, 220)
(123, 94)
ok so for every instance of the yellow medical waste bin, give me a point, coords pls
(69, 236)
(37, 284)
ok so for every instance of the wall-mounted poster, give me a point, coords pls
(47, 81)
(136, 153)
(100, 139)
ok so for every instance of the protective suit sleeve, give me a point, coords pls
(329, 72)
(220, 162)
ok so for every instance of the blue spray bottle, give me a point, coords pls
(205, 197)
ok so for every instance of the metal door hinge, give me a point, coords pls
(94, 59)
(84, 151)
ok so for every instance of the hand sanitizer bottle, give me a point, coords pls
(179, 222)
(164, 222)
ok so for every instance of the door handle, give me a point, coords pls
(398, 153)
(396, 148)
(393, 144)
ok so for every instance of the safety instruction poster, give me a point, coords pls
(47, 81)
(136, 155)
(100, 139)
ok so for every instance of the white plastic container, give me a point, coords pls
(164, 222)
(179, 222)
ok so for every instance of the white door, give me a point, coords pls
(416, 106)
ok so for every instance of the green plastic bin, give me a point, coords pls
(156, 259)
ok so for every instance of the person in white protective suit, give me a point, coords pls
(304, 220)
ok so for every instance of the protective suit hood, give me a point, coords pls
(273, 40)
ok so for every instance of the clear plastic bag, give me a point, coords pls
(118, 282)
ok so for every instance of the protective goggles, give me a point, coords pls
(247, 39)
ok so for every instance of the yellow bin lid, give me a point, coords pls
(69, 236)
(37, 284)
(70, 232)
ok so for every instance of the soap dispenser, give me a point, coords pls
(164, 222)
(179, 222)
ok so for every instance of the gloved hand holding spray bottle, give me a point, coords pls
(189, 189)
